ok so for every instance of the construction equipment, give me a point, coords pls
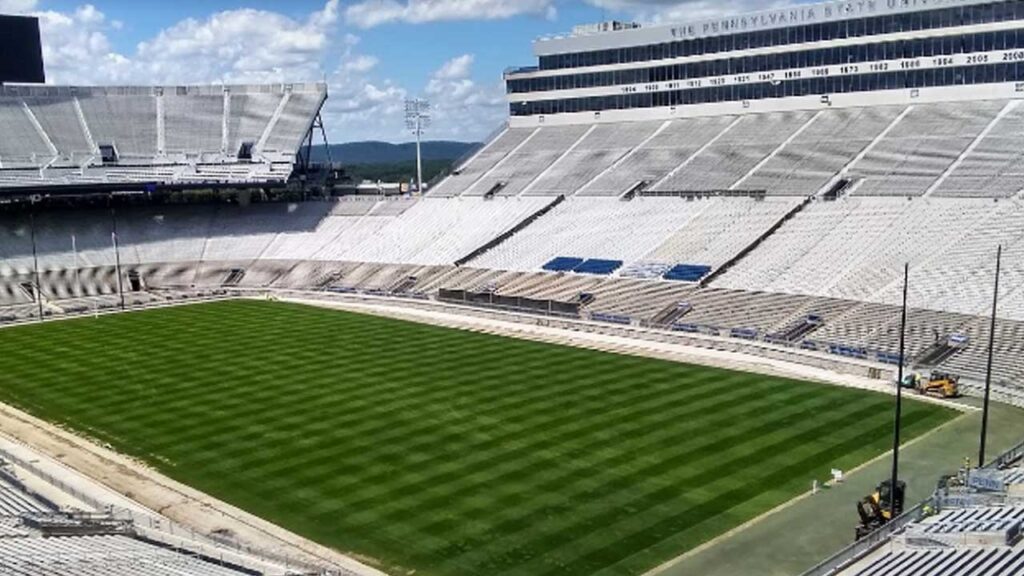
(938, 384)
(881, 507)
(911, 381)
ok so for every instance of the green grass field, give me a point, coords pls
(442, 451)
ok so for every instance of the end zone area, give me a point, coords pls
(441, 451)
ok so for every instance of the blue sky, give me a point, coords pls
(372, 53)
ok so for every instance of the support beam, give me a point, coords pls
(273, 122)
(39, 128)
(85, 126)
(225, 126)
(161, 125)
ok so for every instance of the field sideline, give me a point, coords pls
(443, 451)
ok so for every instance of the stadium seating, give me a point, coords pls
(827, 145)
(514, 173)
(512, 214)
(437, 231)
(654, 159)
(995, 166)
(736, 151)
(53, 135)
(593, 228)
(595, 153)
(563, 264)
(926, 142)
(106, 555)
(723, 228)
(14, 501)
(464, 176)
(854, 249)
(981, 561)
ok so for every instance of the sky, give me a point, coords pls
(373, 54)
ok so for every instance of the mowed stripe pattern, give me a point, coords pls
(443, 451)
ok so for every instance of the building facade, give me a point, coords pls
(848, 53)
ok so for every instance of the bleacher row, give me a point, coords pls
(849, 249)
(27, 551)
(53, 135)
(839, 260)
(965, 149)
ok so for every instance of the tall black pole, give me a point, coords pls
(991, 355)
(899, 394)
(117, 255)
(35, 263)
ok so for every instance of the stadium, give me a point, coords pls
(659, 323)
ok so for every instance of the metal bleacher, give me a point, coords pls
(745, 234)
(52, 135)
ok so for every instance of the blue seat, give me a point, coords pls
(599, 267)
(563, 264)
(687, 273)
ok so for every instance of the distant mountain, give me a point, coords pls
(378, 153)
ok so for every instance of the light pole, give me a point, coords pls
(991, 356)
(894, 481)
(117, 255)
(417, 119)
(35, 262)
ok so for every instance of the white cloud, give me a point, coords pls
(17, 6)
(361, 107)
(360, 64)
(456, 68)
(76, 48)
(244, 45)
(463, 109)
(370, 13)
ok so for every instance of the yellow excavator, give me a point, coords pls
(879, 508)
(939, 384)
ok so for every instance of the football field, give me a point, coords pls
(440, 451)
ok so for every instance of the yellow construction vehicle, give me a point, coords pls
(940, 384)
(879, 508)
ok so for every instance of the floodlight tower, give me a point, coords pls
(417, 119)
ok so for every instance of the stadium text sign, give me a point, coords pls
(986, 480)
(810, 14)
(757, 21)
